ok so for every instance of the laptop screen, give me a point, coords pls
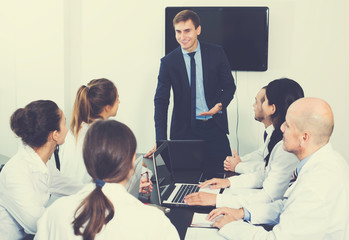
(162, 169)
(186, 155)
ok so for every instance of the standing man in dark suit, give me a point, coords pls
(199, 110)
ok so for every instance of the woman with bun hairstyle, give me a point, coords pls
(27, 180)
(99, 99)
(103, 209)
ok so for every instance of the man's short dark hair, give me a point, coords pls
(185, 15)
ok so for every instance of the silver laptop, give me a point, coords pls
(170, 193)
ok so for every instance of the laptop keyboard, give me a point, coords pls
(183, 191)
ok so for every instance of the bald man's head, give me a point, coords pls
(311, 116)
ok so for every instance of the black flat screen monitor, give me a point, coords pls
(242, 31)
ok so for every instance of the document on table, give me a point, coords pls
(194, 233)
(199, 220)
(203, 228)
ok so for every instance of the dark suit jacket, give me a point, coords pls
(219, 87)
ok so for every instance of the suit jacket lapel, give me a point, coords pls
(205, 64)
(182, 70)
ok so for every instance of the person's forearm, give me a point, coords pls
(240, 230)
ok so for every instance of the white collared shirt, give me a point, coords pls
(254, 161)
(70, 155)
(25, 187)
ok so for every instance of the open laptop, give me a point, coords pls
(170, 192)
(190, 155)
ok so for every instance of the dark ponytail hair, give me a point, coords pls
(282, 93)
(34, 122)
(90, 101)
(108, 151)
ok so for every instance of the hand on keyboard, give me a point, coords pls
(215, 183)
(201, 199)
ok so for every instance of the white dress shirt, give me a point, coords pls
(70, 155)
(25, 187)
(254, 161)
(316, 206)
(132, 219)
(273, 181)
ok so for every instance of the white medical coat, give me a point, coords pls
(25, 187)
(70, 155)
(316, 206)
(132, 219)
(273, 181)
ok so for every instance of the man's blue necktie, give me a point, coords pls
(193, 87)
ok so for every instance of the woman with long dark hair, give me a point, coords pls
(104, 209)
(270, 183)
(27, 180)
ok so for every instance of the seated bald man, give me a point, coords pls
(316, 205)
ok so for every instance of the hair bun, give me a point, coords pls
(18, 121)
(34, 122)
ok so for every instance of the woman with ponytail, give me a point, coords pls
(27, 180)
(99, 99)
(268, 184)
(103, 209)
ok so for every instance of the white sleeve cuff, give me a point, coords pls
(227, 200)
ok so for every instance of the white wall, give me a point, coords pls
(52, 47)
(31, 63)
